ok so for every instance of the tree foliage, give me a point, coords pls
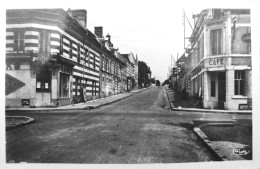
(143, 73)
(158, 83)
(166, 82)
(152, 80)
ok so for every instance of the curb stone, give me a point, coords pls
(170, 103)
(28, 121)
(245, 112)
(204, 139)
(210, 145)
(53, 110)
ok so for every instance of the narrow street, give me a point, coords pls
(138, 129)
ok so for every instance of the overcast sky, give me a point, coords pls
(151, 29)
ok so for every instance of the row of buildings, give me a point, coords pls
(216, 67)
(52, 59)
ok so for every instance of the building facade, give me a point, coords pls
(131, 70)
(221, 58)
(51, 59)
(110, 66)
(123, 72)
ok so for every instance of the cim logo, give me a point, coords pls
(217, 62)
(242, 151)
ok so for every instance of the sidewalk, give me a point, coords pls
(221, 150)
(93, 104)
(178, 104)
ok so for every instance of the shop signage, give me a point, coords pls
(44, 57)
(216, 62)
(25, 102)
(249, 103)
(243, 107)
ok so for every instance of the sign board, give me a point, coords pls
(25, 102)
(12, 84)
(44, 57)
(249, 103)
(214, 62)
(243, 107)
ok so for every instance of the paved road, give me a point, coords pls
(139, 129)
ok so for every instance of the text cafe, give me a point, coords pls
(216, 62)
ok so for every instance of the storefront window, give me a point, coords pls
(43, 81)
(64, 85)
(239, 82)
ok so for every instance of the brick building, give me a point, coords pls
(111, 66)
(221, 58)
(51, 58)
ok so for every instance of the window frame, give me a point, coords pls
(239, 82)
(62, 76)
(216, 41)
(19, 36)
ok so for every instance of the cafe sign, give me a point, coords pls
(214, 62)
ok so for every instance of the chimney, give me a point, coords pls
(80, 15)
(108, 37)
(99, 31)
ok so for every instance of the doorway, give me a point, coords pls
(43, 88)
(221, 89)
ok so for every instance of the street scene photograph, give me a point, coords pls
(129, 82)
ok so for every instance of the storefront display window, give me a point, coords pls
(64, 85)
(43, 81)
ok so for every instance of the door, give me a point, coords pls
(43, 88)
(221, 89)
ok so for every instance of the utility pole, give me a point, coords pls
(184, 28)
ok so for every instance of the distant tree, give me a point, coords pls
(166, 82)
(158, 83)
(143, 73)
(153, 80)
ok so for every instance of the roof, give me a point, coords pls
(125, 56)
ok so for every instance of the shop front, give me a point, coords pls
(225, 85)
(52, 80)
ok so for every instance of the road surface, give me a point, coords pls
(138, 129)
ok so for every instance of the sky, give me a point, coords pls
(152, 30)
